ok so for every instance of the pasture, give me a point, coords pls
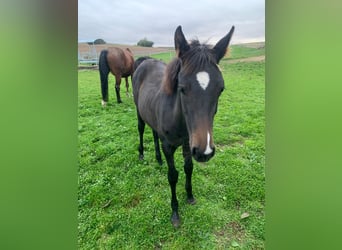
(124, 203)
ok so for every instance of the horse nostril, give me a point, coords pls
(194, 150)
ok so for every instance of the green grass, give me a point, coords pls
(166, 57)
(235, 52)
(243, 51)
(124, 203)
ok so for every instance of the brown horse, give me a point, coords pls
(179, 102)
(120, 63)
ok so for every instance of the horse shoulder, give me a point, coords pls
(170, 121)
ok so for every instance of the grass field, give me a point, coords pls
(124, 203)
(236, 51)
(243, 51)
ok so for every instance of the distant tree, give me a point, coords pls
(99, 41)
(145, 43)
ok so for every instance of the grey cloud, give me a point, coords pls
(129, 21)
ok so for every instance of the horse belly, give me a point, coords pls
(146, 86)
(147, 104)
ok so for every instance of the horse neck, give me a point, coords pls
(170, 109)
(177, 107)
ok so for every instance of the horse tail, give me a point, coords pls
(104, 71)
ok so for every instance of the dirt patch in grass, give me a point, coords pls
(233, 231)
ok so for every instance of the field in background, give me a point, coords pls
(167, 53)
(91, 51)
(246, 50)
(124, 203)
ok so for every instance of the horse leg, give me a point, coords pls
(127, 86)
(132, 82)
(141, 128)
(188, 167)
(117, 88)
(169, 151)
(156, 147)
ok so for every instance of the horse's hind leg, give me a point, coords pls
(169, 151)
(117, 87)
(141, 128)
(156, 147)
(188, 167)
(127, 86)
(132, 82)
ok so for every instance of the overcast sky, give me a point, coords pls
(128, 21)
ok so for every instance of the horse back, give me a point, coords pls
(146, 83)
(120, 61)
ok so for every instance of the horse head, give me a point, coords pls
(199, 85)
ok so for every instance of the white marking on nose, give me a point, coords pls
(203, 79)
(208, 150)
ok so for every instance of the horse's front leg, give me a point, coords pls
(117, 88)
(156, 147)
(169, 151)
(188, 167)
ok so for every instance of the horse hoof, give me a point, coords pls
(192, 201)
(104, 104)
(175, 220)
(141, 157)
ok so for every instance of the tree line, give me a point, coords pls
(143, 42)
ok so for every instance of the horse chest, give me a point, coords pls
(172, 128)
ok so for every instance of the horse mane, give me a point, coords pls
(170, 79)
(197, 57)
(191, 61)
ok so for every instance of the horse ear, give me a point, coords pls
(181, 45)
(220, 48)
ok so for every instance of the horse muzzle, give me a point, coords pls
(202, 146)
(202, 156)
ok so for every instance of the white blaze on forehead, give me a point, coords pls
(203, 79)
(208, 150)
